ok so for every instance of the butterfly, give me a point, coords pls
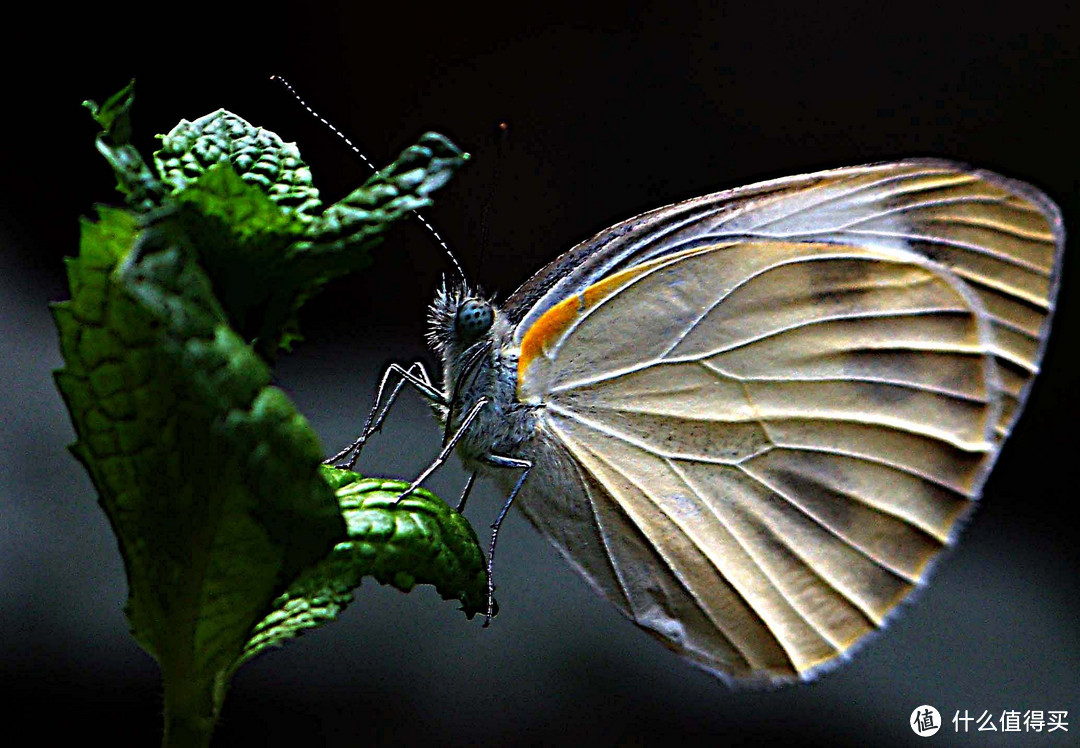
(754, 419)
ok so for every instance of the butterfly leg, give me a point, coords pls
(465, 493)
(447, 450)
(504, 462)
(417, 376)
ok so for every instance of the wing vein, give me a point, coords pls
(693, 595)
(908, 470)
(824, 526)
(765, 572)
(698, 357)
(905, 384)
(945, 241)
(846, 180)
(604, 539)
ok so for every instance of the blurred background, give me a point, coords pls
(612, 111)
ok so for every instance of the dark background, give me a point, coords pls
(613, 112)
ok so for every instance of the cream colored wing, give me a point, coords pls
(1001, 237)
(774, 438)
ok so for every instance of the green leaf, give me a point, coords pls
(209, 476)
(403, 187)
(134, 179)
(244, 241)
(420, 540)
(339, 241)
(258, 156)
(114, 115)
(265, 249)
(233, 535)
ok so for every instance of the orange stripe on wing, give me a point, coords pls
(549, 327)
(555, 321)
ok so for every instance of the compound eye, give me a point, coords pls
(474, 318)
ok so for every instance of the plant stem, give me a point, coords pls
(190, 713)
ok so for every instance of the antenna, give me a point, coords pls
(358, 152)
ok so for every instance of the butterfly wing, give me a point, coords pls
(1002, 237)
(779, 402)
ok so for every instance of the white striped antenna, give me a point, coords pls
(358, 152)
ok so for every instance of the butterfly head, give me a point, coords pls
(461, 331)
(457, 318)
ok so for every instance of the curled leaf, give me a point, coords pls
(420, 540)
